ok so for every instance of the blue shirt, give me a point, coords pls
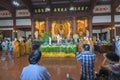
(5, 45)
(87, 59)
(117, 44)
(34, 72)
(10, 46)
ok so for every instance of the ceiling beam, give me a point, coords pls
(115, 3)
(28, 4)
(5, 4)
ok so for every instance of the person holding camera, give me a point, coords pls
(111, 64)
(87, 58)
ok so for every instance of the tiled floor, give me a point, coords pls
(58, 67)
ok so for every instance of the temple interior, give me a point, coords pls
(58, 29)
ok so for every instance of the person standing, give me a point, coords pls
(117, 46)
(87, 59)
(92, 45)
(113, 44)
(16, 48)
(5, 49)
(34, 71)
(75, 38)
(80, 43)
(99, 43)
(22, 47)
(10, 53)
(28, 46)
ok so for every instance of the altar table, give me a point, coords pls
(56, 50)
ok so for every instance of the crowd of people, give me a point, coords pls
(21, 47)
(110, 66)
(85, 54)
(7, 49)
(15, 48)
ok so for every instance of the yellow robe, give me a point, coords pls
(86, 42)
(22, 48)
(16, 49)
(80, 46)
(27, 47)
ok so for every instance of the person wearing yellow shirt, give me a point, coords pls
(16, 48)
(22, 47)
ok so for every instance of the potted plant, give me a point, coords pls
(45, 37)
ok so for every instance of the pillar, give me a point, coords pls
(90, 26)
(32, 28)
(14, 26)
(47, 25)
(112, 31)
(74, 23)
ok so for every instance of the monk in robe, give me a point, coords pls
(27, 47)
(80, 43)
(22, 47)
(92, 43)
(86, 41)
(16, 48)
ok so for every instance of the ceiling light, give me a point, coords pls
(47, 9)
(16, 3)
(71, 8)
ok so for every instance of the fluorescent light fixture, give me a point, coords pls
(71, 8)
(47, 9)
(16, 3)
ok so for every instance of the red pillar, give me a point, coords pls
(14, 26)
(112, 31)
(90, 26)
(32, 28)
(74, 23)
(47, 25)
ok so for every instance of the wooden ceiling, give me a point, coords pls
(31, 4)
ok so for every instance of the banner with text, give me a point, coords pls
(102, 9)
(22, 13)
(5, 13)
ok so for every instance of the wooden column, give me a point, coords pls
(32, 28)
(112, 31)
(14, 26)
(47, 25)
(74, 23)
(90, 26)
